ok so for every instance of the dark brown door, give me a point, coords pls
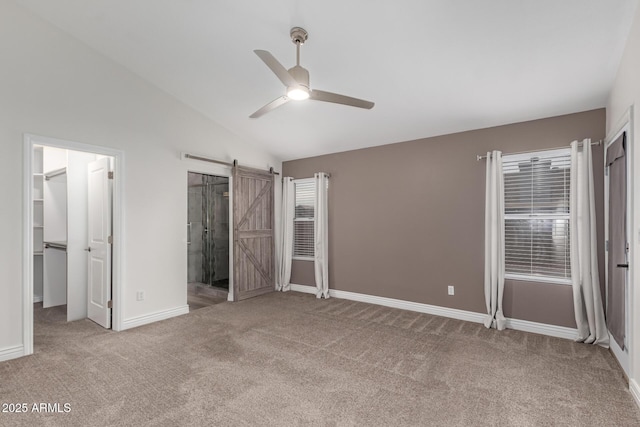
(617, 253)
(253, 233)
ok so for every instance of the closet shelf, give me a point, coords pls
(38, 200)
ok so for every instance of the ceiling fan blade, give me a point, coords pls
(270, 106)
(320, 95)
(277, 68)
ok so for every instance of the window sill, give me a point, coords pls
(300, 258)
(538, 279)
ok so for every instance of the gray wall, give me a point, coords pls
(407, 219)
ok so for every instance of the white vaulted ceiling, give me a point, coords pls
(431, 66)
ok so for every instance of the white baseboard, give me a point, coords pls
(154, 317)
(634, 388)
(543, 329)
(453, 313)
(11, 353)
(306, 289)
(37, 298)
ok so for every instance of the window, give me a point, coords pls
(536, 208)
(303, 234)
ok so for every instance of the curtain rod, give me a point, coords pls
(478, 157)
(220, 162)
(290, 177)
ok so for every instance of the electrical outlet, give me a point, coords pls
(140, 296)
(450, 290)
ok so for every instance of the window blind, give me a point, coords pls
(536, 202)
(303, 229)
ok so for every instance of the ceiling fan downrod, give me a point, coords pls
(298, 37)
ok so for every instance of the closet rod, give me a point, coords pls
(53, 174)
(55, 246)
(220, 162)
(478, 157)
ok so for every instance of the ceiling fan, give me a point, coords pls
(296, 80)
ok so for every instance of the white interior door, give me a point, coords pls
(77, 238)
(99, 219)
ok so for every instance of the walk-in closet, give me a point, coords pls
(71, 232)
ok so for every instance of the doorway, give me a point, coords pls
(72, 223)
(208, 254)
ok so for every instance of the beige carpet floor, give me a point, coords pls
(290, 359)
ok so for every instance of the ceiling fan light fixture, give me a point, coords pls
(298, 93)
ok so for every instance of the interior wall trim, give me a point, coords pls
(634, 388)
(11, 353)
(453, 313)
(542, 329)
(145, 319)
(37, 298)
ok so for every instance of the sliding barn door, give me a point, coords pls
(617, 262)
(253, 233)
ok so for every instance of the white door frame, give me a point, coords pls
(625, 124)
(118, 227)
(198, 166)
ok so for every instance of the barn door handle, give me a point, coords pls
(623, 265)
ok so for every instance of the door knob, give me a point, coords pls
(88, 249)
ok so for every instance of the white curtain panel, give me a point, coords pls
(285, 250)
(494, 242)
(321, 234)
(587, 300)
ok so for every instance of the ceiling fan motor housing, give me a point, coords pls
(300, 74)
